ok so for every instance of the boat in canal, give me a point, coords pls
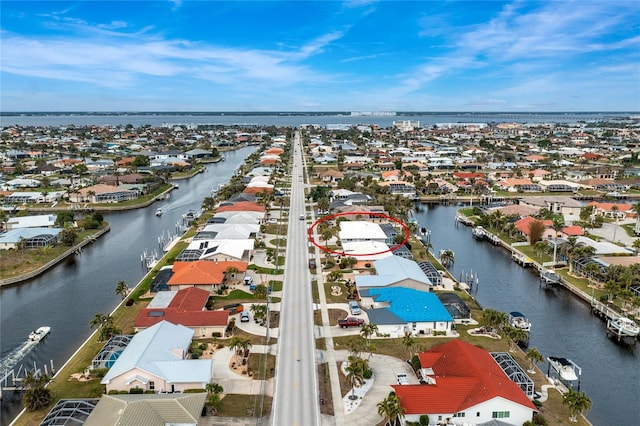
(518, 320)
(159, 212)
(39, 334)
(567, 370)
(623, 328)
(549, 276)
(479, 233)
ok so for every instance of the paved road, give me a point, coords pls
(296, 390)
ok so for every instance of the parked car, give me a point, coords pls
(350, 322)
(354, 308)
(244, 316)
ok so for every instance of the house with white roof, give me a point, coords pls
(35, 221)
(366, 250)
(156, 359)
(354, 231)
(31, 237)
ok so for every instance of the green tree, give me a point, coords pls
(63, 218)
(447, 258)
(68, 236)
(122, 289)
(534, 356)
(577, 402)
(260, 292)
(390, 409)
(493, 319)
(355, 374)
(323, 204)
(36, 394)
(409, 341)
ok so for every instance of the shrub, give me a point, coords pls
(216, 334)
(367, 374)
(100, 372)
(136, 390)
(424, 420)
(415, 363)
(123, 392)
(149, 391)
(112, 392)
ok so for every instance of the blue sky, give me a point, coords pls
(320, 56)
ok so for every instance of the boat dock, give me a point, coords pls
(10, 372)
(613, 319)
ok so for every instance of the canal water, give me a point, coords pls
(68, 296)
(562, 325)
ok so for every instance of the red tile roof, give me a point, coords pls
(465, 376)
(523, 224)
(573, 231)
(186, 309)
(468, 175)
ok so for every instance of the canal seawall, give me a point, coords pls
(73, 250)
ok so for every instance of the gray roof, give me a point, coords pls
(148, 410)
(14, 235)
(157, 350)
(390, 270)
(383, 316)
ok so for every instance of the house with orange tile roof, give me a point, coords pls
(206, 275)
(524, 224)
(185, 307)
(463, 385)
(241, 206)
(612, 210)
(102, 193)
(331, 175)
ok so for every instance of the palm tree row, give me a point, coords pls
(577, 402)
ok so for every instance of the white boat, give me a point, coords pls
(623, 327)
(566, 369)
(549, 276)
(479, 233)
(159, 212)
(518, 320)
(37, 335)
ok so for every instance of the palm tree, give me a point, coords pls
(97, 321)
(234, 344)
(515, 335)
(208, 203)
(408, 341)
(323, 204)
(368, 330)
(558, 224)
(244, 345)
(493, 319)
(578, 403)
(355, 374)
(390, 409)
(122, 289)
(36, 395)
(214, 388)
(447, 258)
(534, 356)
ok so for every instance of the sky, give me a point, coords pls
(354, 55)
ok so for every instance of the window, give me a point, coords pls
(500, 415)
(477, 413)
(152, 385)
(462, 414)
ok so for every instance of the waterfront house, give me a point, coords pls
(207, 275)
(36, 221)
(186, 307)
(30, 237)
(399, 310)
(102, 193)
(156, 359)
(463, 384)
(354, 231)
(394, 271)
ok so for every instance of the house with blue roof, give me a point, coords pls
(30, 237)
(156, 359)
(395, 271)
(399, 310)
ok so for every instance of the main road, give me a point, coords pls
(296, 391)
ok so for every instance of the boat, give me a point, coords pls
(623, 327)
(566, 369)
(159, 212)
(37, 335)
(518, 320)
(550, 276)
(479, 233)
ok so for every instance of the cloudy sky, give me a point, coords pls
(320, 56)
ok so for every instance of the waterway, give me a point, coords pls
(68, 296)
(562, 325)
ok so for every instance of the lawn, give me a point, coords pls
(262, 365)
(324, 391)
(239, 405)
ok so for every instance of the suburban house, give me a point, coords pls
(157, 409)
(185, 307)
(156, 360)
(37, 221)
(31, 237)
(394, 271)
(613, 210)
(354, 231)
(556, 204)
(204, 274)
(239, 250)
(400, 310)
(102, 193)
(464, 386)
